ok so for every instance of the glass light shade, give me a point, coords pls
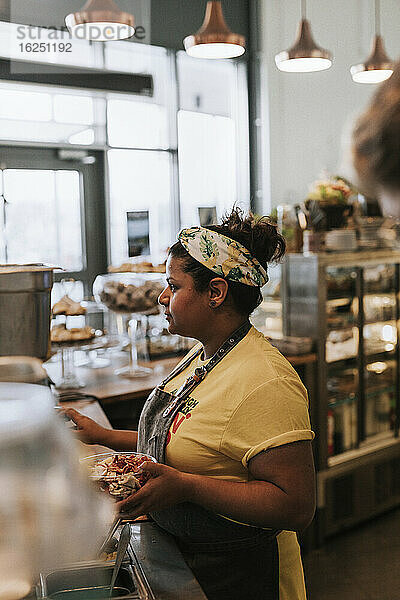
(305, 56)
(302, 65)
(214, 39)
(100, 21)
(215, 50)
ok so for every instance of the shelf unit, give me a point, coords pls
(349, 304)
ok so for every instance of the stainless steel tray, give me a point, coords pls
(89, 581)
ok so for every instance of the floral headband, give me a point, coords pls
(226, 257)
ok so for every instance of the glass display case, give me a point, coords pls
(349, 304)
(267, 317)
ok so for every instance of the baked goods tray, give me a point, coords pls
(99, 342)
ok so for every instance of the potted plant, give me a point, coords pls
(327, 203)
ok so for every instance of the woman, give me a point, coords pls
(230, 423)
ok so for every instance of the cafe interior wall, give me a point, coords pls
(308, 117)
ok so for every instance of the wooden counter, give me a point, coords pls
(111, 388)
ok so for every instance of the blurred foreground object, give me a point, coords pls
(376, 145)
(22, 369)
(49, 515)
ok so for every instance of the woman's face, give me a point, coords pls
(187, 311)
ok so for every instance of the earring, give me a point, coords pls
(212, 303)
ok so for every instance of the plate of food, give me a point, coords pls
(118, 473)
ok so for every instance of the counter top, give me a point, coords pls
(90, 408)
(109, 388)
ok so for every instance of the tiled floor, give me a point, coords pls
(362, 564)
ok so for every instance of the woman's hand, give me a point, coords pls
(166, 487)
(88, 430)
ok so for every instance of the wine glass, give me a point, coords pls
(69, 379)
(137, 332)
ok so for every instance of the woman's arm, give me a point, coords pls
(282, 495)
(91, 432)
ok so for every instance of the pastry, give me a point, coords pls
(142, 267)
(68, 307)
(60, 334)
(129, 298)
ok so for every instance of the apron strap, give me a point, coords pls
(201, 372)
(178, 369)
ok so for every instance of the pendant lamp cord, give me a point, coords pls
(377, 17)
(303, 9)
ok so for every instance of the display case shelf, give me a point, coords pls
(339, 296)
(380, 390)
(384, 356)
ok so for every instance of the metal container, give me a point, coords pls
(89, 581)
(25, 310)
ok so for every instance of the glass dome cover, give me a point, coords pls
(129, 293)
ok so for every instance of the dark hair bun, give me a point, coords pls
(258, 235)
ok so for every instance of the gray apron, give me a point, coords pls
(201, 534)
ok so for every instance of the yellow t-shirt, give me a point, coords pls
(251, 401)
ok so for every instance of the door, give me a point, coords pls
(52, 210)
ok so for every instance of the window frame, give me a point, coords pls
(92, 210)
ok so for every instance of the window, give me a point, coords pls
(73, 109)
(142, 162)
(212, 137)
(134, 124)
(18, 104)
(35, 113)
(139, 180)
(207, 167)
(41, 218)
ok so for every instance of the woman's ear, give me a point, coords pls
(217, 291)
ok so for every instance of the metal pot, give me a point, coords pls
(25, 310)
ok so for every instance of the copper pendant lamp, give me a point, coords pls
(214, 39)
(102, 21)
(305, 55)
(378, 65)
